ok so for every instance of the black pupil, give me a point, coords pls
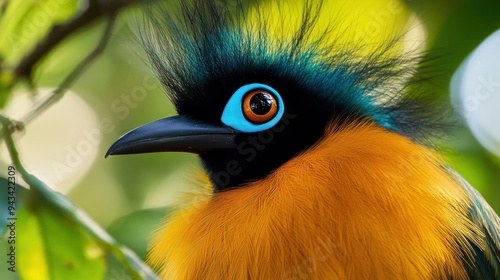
(261, 103)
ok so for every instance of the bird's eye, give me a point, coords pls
(253, 108)
(259, 106)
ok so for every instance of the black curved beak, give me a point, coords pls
(174, 134)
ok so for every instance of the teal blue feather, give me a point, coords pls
(485, 263)
(203, 53)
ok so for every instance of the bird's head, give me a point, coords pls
(253, 91)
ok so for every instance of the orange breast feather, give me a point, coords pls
(363, 203)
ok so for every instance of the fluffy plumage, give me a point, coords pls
(363, 203)
(203, 51)
(343, 190)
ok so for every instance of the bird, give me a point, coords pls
(317, 143)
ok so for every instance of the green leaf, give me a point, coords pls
(6, 81)
(134, 230)
(54, 247)
(56, 240)
(26, 22)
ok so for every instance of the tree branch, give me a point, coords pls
(71, 78)
(57, 94)
(95, 9)
(130, 261)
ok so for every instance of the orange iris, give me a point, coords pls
(259, 106)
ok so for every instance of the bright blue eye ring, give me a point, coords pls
(233, 113)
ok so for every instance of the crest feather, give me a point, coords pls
(204, 50)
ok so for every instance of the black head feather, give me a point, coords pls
(203, 51)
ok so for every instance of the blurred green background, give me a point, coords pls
(130, 194)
